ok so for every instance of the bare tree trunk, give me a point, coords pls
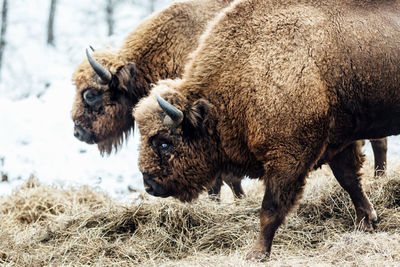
(3, 30)
(152, 6)
(110, 17)
(50, 25)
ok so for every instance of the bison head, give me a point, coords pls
(180, 154)
(107, 88)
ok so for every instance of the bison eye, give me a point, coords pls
(164, 148)
(162, 145)
(92, 96)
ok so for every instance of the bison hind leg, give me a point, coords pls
(346, 167)
(233, 181)
(214, 192)
(379, 147)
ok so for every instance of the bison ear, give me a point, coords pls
(198, 119)
(125, 78)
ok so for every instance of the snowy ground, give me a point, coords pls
(36, 94)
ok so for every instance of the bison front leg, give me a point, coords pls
(283, 188)
(346, 167)
(379, 146)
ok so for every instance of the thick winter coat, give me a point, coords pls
(274, 88)
(156, 49)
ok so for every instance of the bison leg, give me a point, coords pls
(346, 167)
(235, 183)
(283, 189)
(216, 189)
(379, 146)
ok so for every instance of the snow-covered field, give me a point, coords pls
(36, 94)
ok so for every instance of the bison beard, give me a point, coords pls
(292, 84)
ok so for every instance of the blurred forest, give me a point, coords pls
(37, 34)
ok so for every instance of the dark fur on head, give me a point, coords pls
(134, 88)
(171, 176)
(110, 123)
(196, 122)
(166, 171)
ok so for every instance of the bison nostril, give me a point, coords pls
(152, 187)
(79, 128)
(149, 189)
(79, 132)
(82, 135)
(76, 133)
(147, 184)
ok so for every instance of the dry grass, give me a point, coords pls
(41, 225)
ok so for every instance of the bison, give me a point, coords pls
(110, 82)
(274, 88)
(107, 92)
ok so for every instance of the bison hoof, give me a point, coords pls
(256, 255)
(368, 223)
(374, 222)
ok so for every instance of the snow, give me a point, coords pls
(36, 96)
(37, 139)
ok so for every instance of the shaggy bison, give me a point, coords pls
(110, 82)
(107, 92)
(274, 88)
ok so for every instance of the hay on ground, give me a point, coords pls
(43, 225)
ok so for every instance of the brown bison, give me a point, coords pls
(106, 93)
(110, 83)
(274, 88)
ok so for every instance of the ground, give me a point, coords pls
(44, 225)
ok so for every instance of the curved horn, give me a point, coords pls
(174, 114)
(91, 47)
(104, 74)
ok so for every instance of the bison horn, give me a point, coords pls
(104, 74)
(173, 113)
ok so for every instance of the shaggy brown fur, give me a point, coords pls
(274, 87)
(157, 49)
(143, 59)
